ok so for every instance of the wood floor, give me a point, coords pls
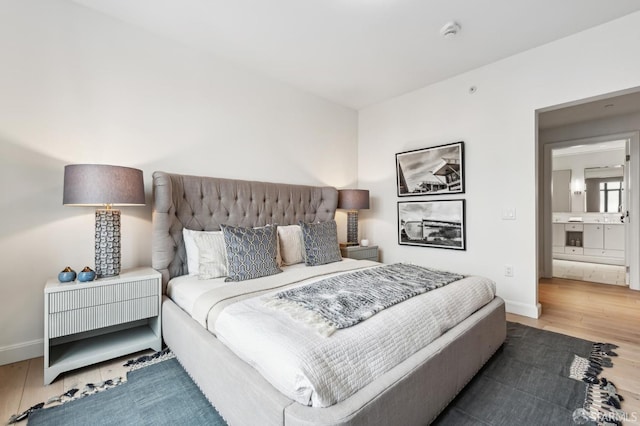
(596, 312)
(601, 313)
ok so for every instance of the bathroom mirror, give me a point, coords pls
(561, 191)
(604, 189)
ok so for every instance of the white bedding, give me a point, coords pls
(185, 290)
(320, 371)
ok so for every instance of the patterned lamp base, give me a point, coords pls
(107, 243)
(352, 228)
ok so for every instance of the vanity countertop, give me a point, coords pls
(590, 222)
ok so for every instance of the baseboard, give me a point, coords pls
(21, 351)
(518, 308)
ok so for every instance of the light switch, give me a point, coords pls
(509, 214)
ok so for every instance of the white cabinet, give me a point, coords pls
(614, 237)
(86, 323)
(589, 242)
(558, 238)
(593, 236)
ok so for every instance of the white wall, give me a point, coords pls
(78, 87)
(498, 125)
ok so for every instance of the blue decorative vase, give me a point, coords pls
(67, 275)
(87, 274)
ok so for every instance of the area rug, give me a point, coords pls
(159, 393)
(539, 378)
(536, 378)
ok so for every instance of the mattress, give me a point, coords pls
(305, 366)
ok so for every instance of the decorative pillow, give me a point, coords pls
(193, 253)
(290, 243)
(212, 255)
(320, 243)
(251, 252)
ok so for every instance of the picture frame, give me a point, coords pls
(432, 223)
(436, 170)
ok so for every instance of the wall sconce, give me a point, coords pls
(104, 186)
(577, 187)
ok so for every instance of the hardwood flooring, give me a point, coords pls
(601, 313)
(21, 383)
(596, 312)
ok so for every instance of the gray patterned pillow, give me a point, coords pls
(320, 243)
(251, 252)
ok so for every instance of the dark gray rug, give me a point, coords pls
(525, 383)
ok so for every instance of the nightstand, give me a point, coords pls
(360, 252)
(86, 323)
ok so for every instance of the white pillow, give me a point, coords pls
(290, 243)
(193, 253)
(212, 255)
(278, 257)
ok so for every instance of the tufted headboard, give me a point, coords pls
(203, 203)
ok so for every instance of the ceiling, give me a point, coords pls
(359, 52)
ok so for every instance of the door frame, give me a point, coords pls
(632, 186)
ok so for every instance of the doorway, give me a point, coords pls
(589, 205)
(590, 123)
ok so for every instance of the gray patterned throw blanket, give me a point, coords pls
(347, 299)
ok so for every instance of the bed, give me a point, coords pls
(410, 393)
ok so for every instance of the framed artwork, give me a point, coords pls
(438, 224)
(431, 171)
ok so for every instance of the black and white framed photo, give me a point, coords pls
(431, 171)
(438, 224)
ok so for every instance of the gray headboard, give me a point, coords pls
(203, 203)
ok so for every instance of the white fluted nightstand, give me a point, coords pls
(86, 323)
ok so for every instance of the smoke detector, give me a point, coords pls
(450, 29)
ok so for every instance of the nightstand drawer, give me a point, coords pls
(77, 298)
(360, 252)
(94, 317)
(365, 253)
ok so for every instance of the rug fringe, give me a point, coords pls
(70, 395)
(147, 360)
(602, 403)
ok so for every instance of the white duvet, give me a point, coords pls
(321, 371)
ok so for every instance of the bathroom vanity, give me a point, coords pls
(591, 239)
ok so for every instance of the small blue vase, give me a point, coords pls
(84, 276)
(68, 276)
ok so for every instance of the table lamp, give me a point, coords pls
(104, 186)
(352, 200)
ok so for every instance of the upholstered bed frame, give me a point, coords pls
(412, 393)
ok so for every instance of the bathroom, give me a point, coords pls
(589, 212)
